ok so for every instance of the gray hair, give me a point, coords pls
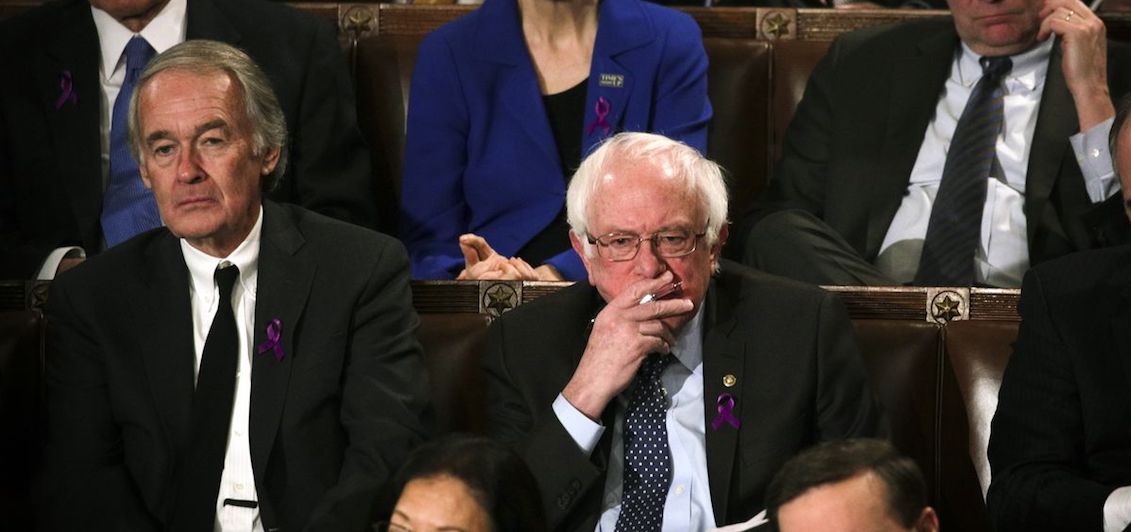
(261, 107)
(702, 177)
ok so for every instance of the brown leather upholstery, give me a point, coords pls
(21, 409)
(901, 358)
(738, 87)
(453, 348)
(976, 355)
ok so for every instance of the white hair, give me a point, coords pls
(702, 177)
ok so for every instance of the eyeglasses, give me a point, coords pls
(619, 247)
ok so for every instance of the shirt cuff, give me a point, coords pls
(1094, 158)
(1117, 510)
(51, 264)
(584, 431)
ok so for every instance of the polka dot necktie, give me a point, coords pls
(647, 458)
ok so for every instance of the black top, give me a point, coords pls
(566, 111)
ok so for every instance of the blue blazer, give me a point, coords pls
(479, 154)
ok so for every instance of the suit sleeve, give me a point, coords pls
(563, 471)
(86, 484)
(434, 209)
(383, 399)
(846, 404)
(330, 165)
(682, 108)
(1036, 448)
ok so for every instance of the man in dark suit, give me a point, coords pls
(863, 158)
(723, 377)
(64, 59)
(1060, 444)
(296, 330)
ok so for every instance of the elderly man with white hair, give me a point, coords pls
(665, 393)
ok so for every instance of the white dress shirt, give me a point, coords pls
(688, 504)
(237, 481)
(166, 30)
(1003, 256)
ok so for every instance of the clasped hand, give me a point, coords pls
(481, 262)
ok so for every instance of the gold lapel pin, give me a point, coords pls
(729, 380)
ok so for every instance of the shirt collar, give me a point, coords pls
(202, 266)
(163, 32)
(1029, 67)
(688, 348)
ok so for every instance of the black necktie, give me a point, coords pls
(647, 457)
(954, 229)
(211, 415)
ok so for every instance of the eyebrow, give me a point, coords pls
(449, 528)
(163, 134)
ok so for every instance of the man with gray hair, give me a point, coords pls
(662, 395)
(249, 366)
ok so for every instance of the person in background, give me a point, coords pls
(464, 483)
(505, 102)
(68, 185)
(949, 151)
(1060, 451)
(664, 393)
(850, 486)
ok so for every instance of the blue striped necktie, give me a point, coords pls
(128, 208)
(954, 229)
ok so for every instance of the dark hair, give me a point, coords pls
(496, 476)
(834, 461)
(1122, 109)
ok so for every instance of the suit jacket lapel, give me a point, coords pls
(285, 277)
(622, 27)
(1056, 121)
(164, 322)
(75, 53)
(520, 96)
(723, 355)
(916, 81)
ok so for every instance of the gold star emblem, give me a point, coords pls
(775, 25)
(499, 299)
(946, 308)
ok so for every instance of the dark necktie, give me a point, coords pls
(128, 207)
(954, 229)
(647, 457)
(211, 415)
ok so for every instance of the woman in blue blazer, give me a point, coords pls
(482, 152)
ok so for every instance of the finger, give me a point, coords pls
(635, 291)
(658, 310)
(524, 269)
(657, 329)
(478, 243)
(477, 271)
(470, 254)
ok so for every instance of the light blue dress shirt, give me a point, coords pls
(688, 505)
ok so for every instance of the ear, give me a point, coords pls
(717, 249)
(928, 521)
(270, 159)
(579, 247)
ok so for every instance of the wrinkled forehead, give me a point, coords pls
(625, 192)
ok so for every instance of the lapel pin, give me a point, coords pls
(729, 380)
(602, 109)
(614, 81)
(726, 415)
(66, 90)
(274, 334)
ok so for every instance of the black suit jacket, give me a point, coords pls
(800, 380)
(51, 179)
(1061, 440)
(328, 424)
(849, 151)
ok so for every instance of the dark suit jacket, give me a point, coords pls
(800, 380)
(480, 155)
(328, 424)
(849, 151)
(50, 164)
(1061, 440)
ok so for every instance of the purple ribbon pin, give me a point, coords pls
(726, 412)
(274, 332)
(66, 90)
(602, 108)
